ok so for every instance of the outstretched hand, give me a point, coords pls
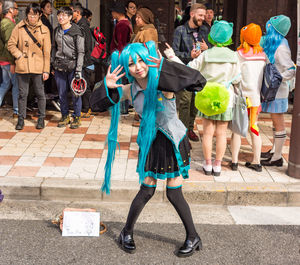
(156, 61)
(169, 52)
(112, 78)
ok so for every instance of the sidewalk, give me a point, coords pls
(64, 164)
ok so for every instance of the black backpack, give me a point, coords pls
(271, 83)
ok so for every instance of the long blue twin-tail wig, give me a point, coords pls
(271, 41)
(113, 131)
(147, 129)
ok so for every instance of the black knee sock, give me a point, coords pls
(175, 196)
(137, 205)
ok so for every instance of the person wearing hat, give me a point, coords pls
(188, 41)
(7, 61)
(145, 23)
(276, 47)
(252, 60)
(209, 17)
(221, 65)
(123, 29)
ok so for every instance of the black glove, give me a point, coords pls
(77, 75)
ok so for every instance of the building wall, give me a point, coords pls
(94, 6)
(243, 12)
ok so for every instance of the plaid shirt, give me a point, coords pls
(184, 39)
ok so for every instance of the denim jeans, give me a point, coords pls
(8, 78)
(63, 82)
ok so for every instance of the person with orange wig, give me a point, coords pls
(252, 60)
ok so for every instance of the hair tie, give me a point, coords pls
(146, 46)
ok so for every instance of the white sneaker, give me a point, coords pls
(207, 169)
(217, 171)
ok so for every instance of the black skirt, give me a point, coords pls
(161, 161)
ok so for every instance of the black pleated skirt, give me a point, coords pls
(161, 161)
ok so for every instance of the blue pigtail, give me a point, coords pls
(113, 130)
(271, 41)
(147, 131)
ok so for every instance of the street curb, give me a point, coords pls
(261, 194)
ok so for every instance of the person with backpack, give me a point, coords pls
(221, 66)
(252, 60)
(7, 61)
(88, 66)
(278, 53)
(30, 44)
(67, 59)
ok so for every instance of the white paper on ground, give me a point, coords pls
(81, 223)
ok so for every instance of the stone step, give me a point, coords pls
(261, 194)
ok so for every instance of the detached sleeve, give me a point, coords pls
(175, 77)
(103, 98)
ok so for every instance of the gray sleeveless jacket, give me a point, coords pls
(167, 120)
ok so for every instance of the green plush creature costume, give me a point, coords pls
(213, 99)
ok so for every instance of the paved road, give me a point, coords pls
(25, 241)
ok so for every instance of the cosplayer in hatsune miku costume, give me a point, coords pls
(252, 60)
(164, 148)
(219, 65)
(277, 49)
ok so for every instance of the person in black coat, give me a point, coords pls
(88, 66)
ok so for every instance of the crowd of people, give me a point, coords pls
(162, 91)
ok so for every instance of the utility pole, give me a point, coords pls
(294, 157)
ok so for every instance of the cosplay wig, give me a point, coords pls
(250, 37)
(227, 43)
(271, 41)
(147, 129)
(113, 130)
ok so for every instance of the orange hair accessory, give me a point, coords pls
(250, 37)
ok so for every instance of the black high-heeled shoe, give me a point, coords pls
(189, 247)
(126, 242)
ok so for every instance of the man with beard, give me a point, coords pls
(188, 42)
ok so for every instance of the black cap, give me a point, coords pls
(208, 6)
(118, 7)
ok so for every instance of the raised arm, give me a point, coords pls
(105, 93)
(175, 77)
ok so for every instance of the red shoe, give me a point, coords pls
(192, 136)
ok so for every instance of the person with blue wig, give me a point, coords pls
(277, 49)
(164, 151)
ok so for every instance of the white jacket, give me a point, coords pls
(219, 64)
(286, 67)
(252, 71)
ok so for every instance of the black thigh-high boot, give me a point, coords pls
(193, 241)
(126, 236)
